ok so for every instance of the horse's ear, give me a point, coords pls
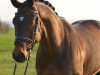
(30, 2)
(15, 3)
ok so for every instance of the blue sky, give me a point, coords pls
(72, 10)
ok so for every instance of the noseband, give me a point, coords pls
(20, 39)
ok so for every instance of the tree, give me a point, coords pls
(4, 27)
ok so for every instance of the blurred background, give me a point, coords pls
(72, 10)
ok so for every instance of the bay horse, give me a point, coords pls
(64, 49)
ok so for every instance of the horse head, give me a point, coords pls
(27, 28)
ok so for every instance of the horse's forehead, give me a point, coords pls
(24, 9)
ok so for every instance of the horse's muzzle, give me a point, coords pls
(20, 58)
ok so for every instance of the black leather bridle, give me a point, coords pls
(20, 39)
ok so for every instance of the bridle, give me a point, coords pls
(19, 39)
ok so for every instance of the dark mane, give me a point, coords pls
(48, 4)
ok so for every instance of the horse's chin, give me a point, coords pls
(20, 61)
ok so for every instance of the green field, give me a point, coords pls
(6, 61)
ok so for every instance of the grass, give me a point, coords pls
(6, 40)
(6, 61)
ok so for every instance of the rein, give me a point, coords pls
(19, 39)
(27, 62)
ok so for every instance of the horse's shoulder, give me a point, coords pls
(86, 23)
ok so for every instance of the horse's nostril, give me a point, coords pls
(19, 58)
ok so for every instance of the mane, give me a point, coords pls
(48, 4)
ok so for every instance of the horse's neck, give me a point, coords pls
(53, 32)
